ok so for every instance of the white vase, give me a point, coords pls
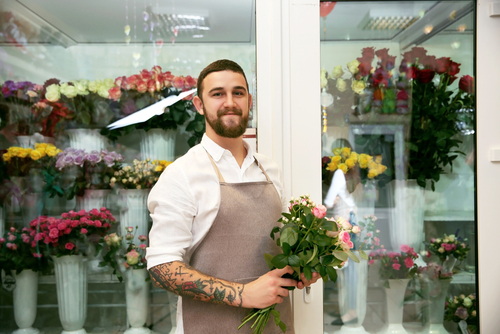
(406, 224)
(30, 141)
(352, 282)
(71, 284)
(436, 308)
(135, 212)
(137, 296)
(87, 139)
(394, 302)
(158, 144)
(92, 199)
(25, 301)
(449, 264)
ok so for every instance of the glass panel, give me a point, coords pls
(68, 70)
(397, 89)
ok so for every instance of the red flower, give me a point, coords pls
(396, 266)
(411, 72)
(115, 93)
(402, 95)
(429, 62)
(466, 84)
(409, 262)
(382, 53)
(380, 77)
(388, 62)
(69, 246)
(454, 68)
(451, 79)
(425, 76)
(442, 65)
(368, 53)
(365, 66)
(414, 54)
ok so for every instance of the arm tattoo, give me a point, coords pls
(185, 281)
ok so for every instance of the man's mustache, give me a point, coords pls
(235, 111)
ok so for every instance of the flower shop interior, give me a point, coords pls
(368, 106)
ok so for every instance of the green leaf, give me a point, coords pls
(326, 260)
(363, 255)
(309, 220)
(269, 260)
(352, 256)
(289, 235)
(340, 255)
(275, 229)
(322, 240)
(332, 274)
(329, 225)
(294, 260)
(286, 248)
(282, 326)
(307, 272)
(280, 261)
(315, 252)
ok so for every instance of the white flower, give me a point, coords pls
(467, 302)
(441, 250)
(451, 237)
(337, 72)
(341, 85)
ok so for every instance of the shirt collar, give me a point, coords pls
(216, 151)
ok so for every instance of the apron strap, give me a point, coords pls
(221, 178)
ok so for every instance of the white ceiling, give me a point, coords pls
(71, 22)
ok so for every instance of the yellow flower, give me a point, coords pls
(337, 151)
(336, 159)
(341, 85)
(332, 166)
(51, 151)
(22, 153)
(35, 154)
(381, 169)
(38, 145)
(363, 160)
(350, 163)
(354, 156)
(353, 66)
(158, 168)
(14, 150)
(6, 157)
(372, 165)
(378, 159)
(343, 167)
(337, 72)
(346, 151)
(358, 86)
(42, 151)
(372, 174)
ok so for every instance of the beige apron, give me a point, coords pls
(233, 250)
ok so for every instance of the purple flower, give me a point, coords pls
(94, 157)
(462, 313)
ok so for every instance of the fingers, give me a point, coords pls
(287, 282)
(283, 271)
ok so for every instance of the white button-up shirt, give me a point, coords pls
(184, 202)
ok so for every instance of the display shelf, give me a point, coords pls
(449, 216)
(464, 277)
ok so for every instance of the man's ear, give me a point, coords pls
(250, 101)
(198, 103)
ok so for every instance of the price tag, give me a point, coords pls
(8, 282)
(463, 327)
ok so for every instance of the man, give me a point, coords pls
(213, 210)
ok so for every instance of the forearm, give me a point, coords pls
(183, 280)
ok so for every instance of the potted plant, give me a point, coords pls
(158, 133)
(129, 259)
(448, 249)
(66, 240)
(20, 258)
(461, 309)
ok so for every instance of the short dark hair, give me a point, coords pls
(218, 66)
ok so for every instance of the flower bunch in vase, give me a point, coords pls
(369, 235)
(148, 87)
(463, 308)
(87, 100)
(28, 113)
(309, 243)
(395, 265)
(141, 175)
(122, 256)
(448, 246)
(73, 232)
(19, 251)
(94, 170)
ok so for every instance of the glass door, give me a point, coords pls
(398, 159)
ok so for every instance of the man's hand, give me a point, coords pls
(267, 289)
(305, 283)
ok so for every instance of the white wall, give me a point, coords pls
(488, 180)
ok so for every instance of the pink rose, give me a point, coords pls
(332, 234)
(143, 238)
(37, 255)
(396, 266)
(405, 248)
(356, 229)
(69, 246)
(115, 93)
(319, 211)
(178, 82)
(133, 257)
(11, 246)
(142, 246)
(372, 261)
(83, 231)
(54, 233)
(11, 237)
(98, 223)
(142, 86)
(409, 262)
(376, 241)
(344, 237)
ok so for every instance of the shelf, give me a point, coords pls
(449, 216)
(464, 278)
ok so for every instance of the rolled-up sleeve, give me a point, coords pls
(172, 209)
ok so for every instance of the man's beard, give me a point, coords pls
(234, 131)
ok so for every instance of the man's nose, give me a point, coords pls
(229, 102)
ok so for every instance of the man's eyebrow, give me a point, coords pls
(221, 88)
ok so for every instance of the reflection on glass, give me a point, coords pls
(68, 71)
(398, 160)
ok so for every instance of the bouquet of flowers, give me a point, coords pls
(345, 159)
(462, 308)
(138, 91)
(310, 243)
(395, 265)
(121, 258)
(96, 168)
(19, 251)
(368, 236)
(141, 175)
(88, 100)
(28, 113)
(449, 245)
(72, 232)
